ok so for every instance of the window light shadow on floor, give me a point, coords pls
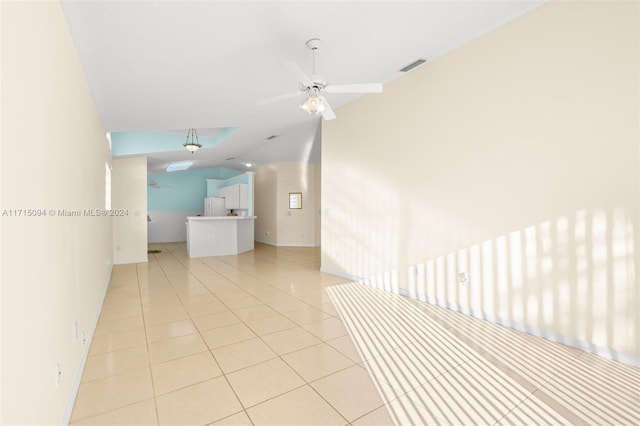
(441, 367)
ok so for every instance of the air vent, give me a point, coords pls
(413, 65)
(272, 137)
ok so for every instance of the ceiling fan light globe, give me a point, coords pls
(313, 105)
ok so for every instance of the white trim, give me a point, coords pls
(128, 262)
(269, 243)
(554, 337)
(548, 335)
(341, 274)
(85, 354)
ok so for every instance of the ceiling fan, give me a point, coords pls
(315, 86)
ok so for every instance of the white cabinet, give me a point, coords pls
(231, 195)
(219, 236)
(235, 196)
(214, 206)
(244, 196)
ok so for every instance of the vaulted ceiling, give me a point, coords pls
(166, 66)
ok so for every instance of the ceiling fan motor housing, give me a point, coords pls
(313, 43)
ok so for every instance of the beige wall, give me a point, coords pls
(513, 159)
(296, 227)
(276, 223)
(54, 269)
(129, 198)
(265, 195)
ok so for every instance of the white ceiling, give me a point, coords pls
(157, 66)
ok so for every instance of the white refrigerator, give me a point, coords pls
(214, 206)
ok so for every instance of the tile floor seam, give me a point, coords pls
(190, 384)
(572, 410)
(228, 344)
(230, 387)
(539, 387)
(112, 410)
(413, 342)
(306, 383)
(244, 408)
(238, 270)
(235, 393)
(377, 390)
(146, 336)
(228, 417)
(230, 309)
(443, 374)
(249, 366)
(275, 396)
(330, 405)
(261, 362)
(116, 374)
(260, 338)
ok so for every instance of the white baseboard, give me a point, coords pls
(130, 261)
(271, 243)
(554, 337)
(85, 354)
(341, 274)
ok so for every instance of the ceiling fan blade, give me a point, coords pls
(328, 113)
(302, 76)
(279, 98)
(354, 88)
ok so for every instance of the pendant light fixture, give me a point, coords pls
(192, 143)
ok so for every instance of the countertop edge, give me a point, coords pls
(220, 217)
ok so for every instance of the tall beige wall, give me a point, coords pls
(265, 198)
(54, 268)
(129, 209)
(276, 223)
(297, 227)
(513, 159)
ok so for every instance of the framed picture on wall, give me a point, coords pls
(295, 200)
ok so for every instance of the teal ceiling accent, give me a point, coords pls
(136, 143)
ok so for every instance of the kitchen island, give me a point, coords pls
(219, 235)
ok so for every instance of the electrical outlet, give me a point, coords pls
(58, 374)
(463, 278)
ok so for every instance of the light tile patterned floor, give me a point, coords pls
(264, 338)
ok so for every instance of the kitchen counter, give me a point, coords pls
(219, 235)
(220, 217)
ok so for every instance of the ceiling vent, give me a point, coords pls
(413, 65)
